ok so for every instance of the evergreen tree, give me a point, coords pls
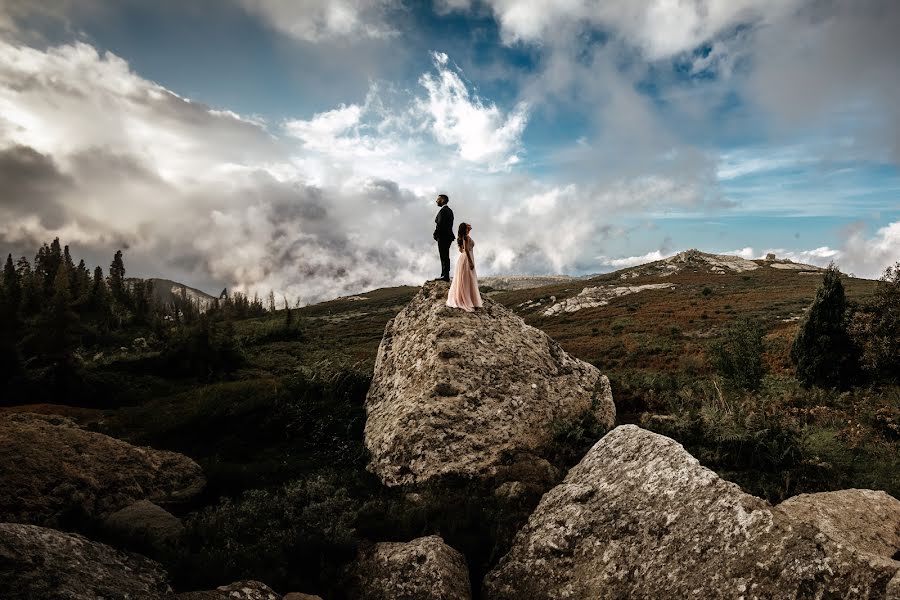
(10, 325)
(57, 333)
(81, 283)
(69, 265)
(46, 264)
(99, 301)
(822, 351)
(30, 302)
(141, 293)
(288, 316)
(117, 279)
(12, 287)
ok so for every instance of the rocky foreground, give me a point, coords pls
(475, 396)
(639, 517)
(457, 393)
(56, 473)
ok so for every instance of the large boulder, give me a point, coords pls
(239, 590)
(423, 568)
(53, 471)
(865, 519)
(639, 517)
(37, 563)
(458, 393)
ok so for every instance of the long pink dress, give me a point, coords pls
(464, 292)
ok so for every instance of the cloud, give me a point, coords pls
(658, 28)
(870, 256)
(833, 66)
(214, 198)
(459, 118)
(320, 20)
(631, 261)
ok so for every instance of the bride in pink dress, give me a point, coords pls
(464, 292)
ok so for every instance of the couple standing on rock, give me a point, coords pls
(464, 292)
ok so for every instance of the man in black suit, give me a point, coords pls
(443, 234)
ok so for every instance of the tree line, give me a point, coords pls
(53, 311)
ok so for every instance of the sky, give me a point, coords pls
(298, 146)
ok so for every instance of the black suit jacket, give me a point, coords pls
(443, 231)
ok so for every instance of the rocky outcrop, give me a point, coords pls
(40, 563)
(54, 471)
(239, 590)
(867, 520)
(423, 568)
(592, 297)
(639, 517)
(457, 393)
(143, 527)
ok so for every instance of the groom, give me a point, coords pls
(443, 234)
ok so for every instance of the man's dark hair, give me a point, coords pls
(444, 197)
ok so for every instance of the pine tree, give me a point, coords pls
(822, 351)
(58, 330)
(69, 265)
(30, 302)
(288, 314)
(99, 300)
(46, 264)
(81, 283)
(117, 279)
(12, 287)
(141, 293)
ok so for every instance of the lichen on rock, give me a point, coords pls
(422, 568)
(36, 562)
(54, 471)
(639, 517)
(457, 393)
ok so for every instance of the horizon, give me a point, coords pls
(265, 145)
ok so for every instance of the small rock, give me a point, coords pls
(239, 590)
(145, 527)
(423, 568)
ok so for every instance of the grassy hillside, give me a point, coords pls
(280, 437)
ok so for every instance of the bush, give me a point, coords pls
(296, 537)
(738, 357)
(207, 349)
(823, 352)
(876, 329)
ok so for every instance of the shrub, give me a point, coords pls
(823, 352)
(295, 537)
(876, 329)
(738, 357)
(206, 349)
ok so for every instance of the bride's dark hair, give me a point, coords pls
(462, 234)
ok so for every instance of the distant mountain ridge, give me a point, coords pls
(694, 260)
(166, 291)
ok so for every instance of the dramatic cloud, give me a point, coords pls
(317, 20)
(659, 28)
(98, 155)
(481, 132)
(585, 115)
